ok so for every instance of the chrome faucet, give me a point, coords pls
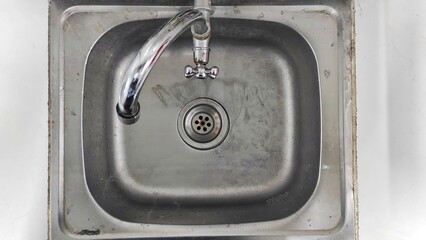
(198, 18)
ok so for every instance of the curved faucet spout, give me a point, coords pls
(128, 106)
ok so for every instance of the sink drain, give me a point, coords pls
(203, 123)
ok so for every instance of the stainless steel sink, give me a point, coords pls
(281, 167)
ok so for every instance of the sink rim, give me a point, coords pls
(273, 227)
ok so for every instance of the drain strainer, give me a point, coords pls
(203, 123)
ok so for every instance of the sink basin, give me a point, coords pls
(267, 167)
(282, 164)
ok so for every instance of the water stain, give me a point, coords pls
(246, 118)
(326, 74)
(236, 10)
(158, 89)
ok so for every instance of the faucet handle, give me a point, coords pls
(189, 71)
(212, 72)
(201, 72)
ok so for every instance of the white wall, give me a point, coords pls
(391, 45)
(23, 119)
(391, 78)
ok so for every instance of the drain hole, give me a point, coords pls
(203, 123)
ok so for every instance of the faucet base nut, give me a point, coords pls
(128, 118)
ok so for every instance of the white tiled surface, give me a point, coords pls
(391, 46)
